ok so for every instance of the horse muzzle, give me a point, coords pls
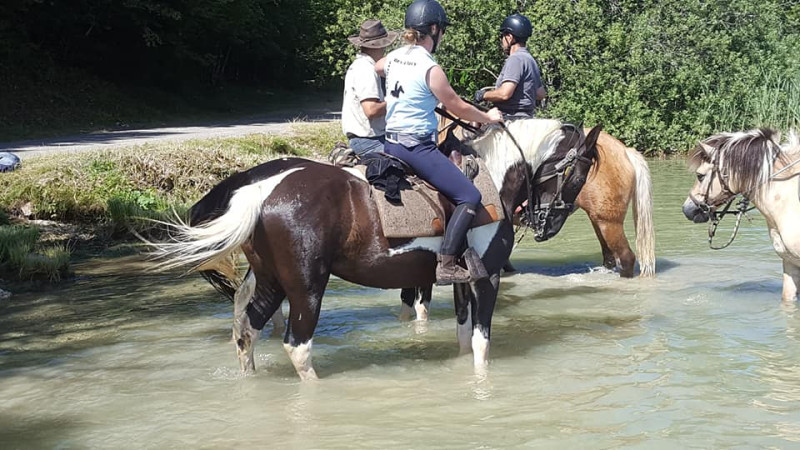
(695, 212)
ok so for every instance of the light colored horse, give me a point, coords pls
(752, 164)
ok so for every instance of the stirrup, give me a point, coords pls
(477, 271)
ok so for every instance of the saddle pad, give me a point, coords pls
(424, 211)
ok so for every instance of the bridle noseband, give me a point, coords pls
(727, 197)
(537, 215)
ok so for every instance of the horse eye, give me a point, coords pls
(701, 176)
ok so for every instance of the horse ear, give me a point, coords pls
(591, 140)
(707, 148)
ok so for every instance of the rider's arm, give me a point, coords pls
(373, 108)
(541, 93)
(441, 88)
(379, 67)
(501, 94)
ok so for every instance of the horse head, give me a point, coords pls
(542, 162)
(726, 165)
(559, 179)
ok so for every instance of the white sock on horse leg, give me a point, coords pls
(480, 348)
(301, 358)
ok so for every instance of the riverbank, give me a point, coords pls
(93, 201)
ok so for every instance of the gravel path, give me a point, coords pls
(277, 123)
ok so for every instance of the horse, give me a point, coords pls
(298, 222)
(620, 177)
(755, 165)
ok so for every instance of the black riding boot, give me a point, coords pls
(447, 270)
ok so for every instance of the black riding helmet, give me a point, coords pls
(421, 14)
(518, 26)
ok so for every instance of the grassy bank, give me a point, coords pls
(117, 191)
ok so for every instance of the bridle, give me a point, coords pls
(563, 170)
(536, 214)
(727, 197)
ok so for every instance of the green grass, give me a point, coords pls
(22, 257)
(125, 186)
(775, 103)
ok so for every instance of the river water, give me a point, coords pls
(704, 355)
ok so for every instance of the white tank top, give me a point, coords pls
(409, 101)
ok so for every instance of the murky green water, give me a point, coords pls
(702, 356)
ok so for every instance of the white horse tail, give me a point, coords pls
(643, 214)
(212, 243)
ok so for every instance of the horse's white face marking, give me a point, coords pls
(301, 359)
(355, 172)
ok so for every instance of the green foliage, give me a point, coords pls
(658, 74)
(22, 257)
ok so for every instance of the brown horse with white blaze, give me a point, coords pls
(298, 222)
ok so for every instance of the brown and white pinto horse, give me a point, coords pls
(619, 178)
(298, 222)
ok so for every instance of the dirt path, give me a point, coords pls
(277, 123)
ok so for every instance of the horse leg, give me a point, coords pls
(611, 235)
(278, 323)
(417, 300)
(791, 280)
(462, 299)
(609, 262)
(305, 303)
(254, 302)
(485, 297)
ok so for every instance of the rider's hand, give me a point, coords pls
(495, 116)
(480, 93)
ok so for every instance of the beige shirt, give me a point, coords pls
(361, 83)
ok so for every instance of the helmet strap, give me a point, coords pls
(434, 37)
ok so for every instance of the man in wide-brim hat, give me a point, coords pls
(363, 106)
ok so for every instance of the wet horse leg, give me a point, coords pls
(474, 305)
(462, 299)
(485, 295)
(305, 286)
(255, 301)
(416, 301)
(616, 250)
(791, 279)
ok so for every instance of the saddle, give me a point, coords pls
(423, 212)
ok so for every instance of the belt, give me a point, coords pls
(410, 140)
(354, 136)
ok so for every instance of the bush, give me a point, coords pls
(658, 75)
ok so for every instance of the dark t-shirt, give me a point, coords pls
(521, 68)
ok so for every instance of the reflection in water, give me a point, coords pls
(704, 355)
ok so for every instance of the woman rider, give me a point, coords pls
(415, 83)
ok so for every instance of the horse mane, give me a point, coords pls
(537, 137)
(747, 157)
